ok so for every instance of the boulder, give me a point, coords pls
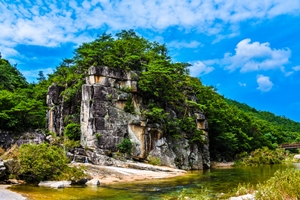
(80, 181)
(55, 184)
(297, 156)
(2, 169)
(93, 182)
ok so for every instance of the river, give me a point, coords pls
(216, 181)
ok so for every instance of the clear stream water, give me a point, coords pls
(215, 180)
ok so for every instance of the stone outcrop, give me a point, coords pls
(104, 122)
(7, 138)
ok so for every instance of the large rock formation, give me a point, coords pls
(104, 123)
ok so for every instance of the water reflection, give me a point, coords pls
(215, 180)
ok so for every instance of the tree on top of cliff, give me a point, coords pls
(10, 77)
(128, 51)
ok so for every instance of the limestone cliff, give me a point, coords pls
(104, 123)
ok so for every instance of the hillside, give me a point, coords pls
(285, 123)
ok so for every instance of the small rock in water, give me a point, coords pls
(93, 182)
(243, 197)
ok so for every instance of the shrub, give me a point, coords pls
(284, 185)
(129, 107)
(262, 156)
(126, 146)
(72, 131)
(154, 160)
(44, 162)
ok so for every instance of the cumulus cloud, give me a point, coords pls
(51, 22)
(199, 69)
(256, 56)
(264, 83)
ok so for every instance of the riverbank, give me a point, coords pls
(222, 164)
(6, 194)
(133, 172)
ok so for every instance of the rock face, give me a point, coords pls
(7, 138)
(104, 123)
(59, 108)
(2, 169)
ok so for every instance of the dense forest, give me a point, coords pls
(233, 127)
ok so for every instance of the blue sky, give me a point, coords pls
(248, 49)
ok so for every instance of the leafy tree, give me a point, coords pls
(41, 76)
(10, 77)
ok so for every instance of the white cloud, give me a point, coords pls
(178, 45)
(198, 69)
(288, 73)
(255, 57)
(242, 84)
(32, 75)
(51, 22)
(264, 83)
(297, 68)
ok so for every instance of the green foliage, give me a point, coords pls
(263, 156)
(22, 105)
(128, 51)
(72, 131)
(155, 114)
(154, 160)
(280, 121)
(71, 144)
(203, 194)
(284, 185)
(129, 106)
(126, 146)
(19, 111)
(233, 127)
(10, 77)
(163, 81)
(41, 162)
(98, 135)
